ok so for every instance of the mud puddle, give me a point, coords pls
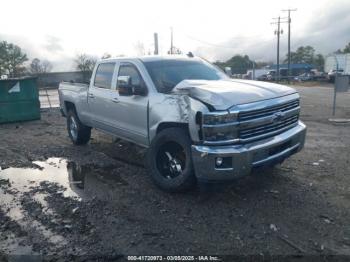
(45, 202)
(72, 180)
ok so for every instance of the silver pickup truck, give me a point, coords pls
(197, 123)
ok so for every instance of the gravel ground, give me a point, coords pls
(98, 202)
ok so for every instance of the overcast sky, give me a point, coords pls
(57, 30)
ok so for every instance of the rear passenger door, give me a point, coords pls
(100, 95)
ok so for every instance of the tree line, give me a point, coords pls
(13, 61)
(304, 54)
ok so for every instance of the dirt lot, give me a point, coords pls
(98, 202)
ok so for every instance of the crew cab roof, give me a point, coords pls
(167, 57)
(149, 58)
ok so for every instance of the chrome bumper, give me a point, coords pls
(245, 157)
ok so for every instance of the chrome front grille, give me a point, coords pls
(277, 118)
(254, 121)
(243, 116)
(267, 129)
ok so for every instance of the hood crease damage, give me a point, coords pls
(223, 94)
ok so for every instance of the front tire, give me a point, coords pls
(169, 160)
(78, 132)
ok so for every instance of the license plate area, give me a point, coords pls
(280, 148)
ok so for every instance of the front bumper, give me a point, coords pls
(245, 157)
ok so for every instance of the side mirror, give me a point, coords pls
(127, 88)
(124, 85)
(139, 90)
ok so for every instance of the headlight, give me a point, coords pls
(211, 135)
(220, 126)
(214, 119)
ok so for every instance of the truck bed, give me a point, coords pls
(75, 93)
(70, 85)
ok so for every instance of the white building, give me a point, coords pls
(343, 61)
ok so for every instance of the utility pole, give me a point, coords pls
(278, 48)
(155, 43)
(278, 32)
(289, 22)
(335, 86)
(171, 41)
(253, 70)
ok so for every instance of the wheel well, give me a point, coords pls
(69, 106)
(165, 125)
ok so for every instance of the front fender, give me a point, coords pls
(175, 109)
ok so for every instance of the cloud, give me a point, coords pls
(327, 30)
(323, 24)
(53, 44)
(50, 50)
(259, 49)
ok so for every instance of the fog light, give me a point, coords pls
(219, 161)
(223, 162)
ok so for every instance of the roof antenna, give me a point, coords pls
(189, 54)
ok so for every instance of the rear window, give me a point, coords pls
(104, 75)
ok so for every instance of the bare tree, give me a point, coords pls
(34, 66)
(39, 67)
(175, 51)
(140, 48)
(85, 64)
(106, 55)
(46, 66)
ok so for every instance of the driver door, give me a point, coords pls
(131, 110)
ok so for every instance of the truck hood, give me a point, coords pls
(223, 94)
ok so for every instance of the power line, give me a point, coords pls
(289, 22)
(278, 32)
(222, 46)
(207, 43)
(156, 50)
(171, 41)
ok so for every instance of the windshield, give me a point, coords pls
(166, 74)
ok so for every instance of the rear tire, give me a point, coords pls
(78, 132)
(169, 160)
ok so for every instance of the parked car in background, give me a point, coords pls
(318, 75)
(332, 74)
(246, 76)
(271, 75)
(305, 77)
(262, 77)
(256, 73)
(197, 123)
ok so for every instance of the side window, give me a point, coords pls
(104, 75)
(131, 70)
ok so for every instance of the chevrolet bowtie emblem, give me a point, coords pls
(278, 116)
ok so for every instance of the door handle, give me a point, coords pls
(115, 100)
(91, 95)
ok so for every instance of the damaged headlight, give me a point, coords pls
(220, 126)
(210, 135)
(220, 118)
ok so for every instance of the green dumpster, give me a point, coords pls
(19, 99)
